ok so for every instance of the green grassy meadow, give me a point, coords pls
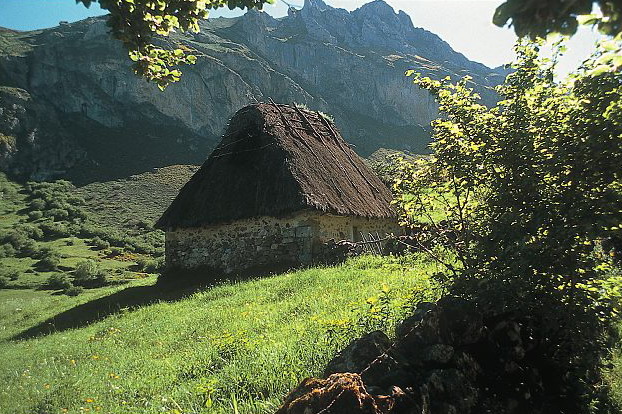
(138, 345)
(237, 346)
(133, 345)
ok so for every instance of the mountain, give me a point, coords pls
(71, 106)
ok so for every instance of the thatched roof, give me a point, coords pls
(275, 160)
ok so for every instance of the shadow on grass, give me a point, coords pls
(98, 309)
(171, 286)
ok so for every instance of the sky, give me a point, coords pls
(464, 24)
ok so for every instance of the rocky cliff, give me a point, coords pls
(97, 119)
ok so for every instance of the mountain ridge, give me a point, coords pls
(348, 64)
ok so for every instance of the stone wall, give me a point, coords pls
(265, 241)
(349, 228)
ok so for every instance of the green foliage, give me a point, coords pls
(73, 290)
(89, 274)
(35, 215)
(99, 243)
(538, 18)
(20, 243)
(49, 259)
(255, 339)
(149, 265)
(535, 177)
(37, 204)
(527, 190)
(59, 281)
(7, 250)
(138, 22)
(116, 251)
(12, 275)
(4, 282)
(29, 231)
(54, 230)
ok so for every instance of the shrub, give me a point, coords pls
(73, 291)
(99, 243)
(35, 215)
(75, 200)
(58, 214)
(29, 249)
(7, 250)
(37, 204)
(149, 265)
(116, 251)
(4, 282)
(142, 262)
(53, 230)
(525, 191)
(88, 273)
(50, 260)
(31, 231)
(59, 281)
(10, 274)
(16, 238)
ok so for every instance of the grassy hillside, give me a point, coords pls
(46, 235)
(238, 345)
(131, 345)
(138, 201)
(48, 229)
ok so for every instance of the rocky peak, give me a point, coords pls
(378, 8)
(316, 5)
(405, 20)
(349, 64)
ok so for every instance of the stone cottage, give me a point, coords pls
(281, 182)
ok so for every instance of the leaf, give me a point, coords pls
(599, 70)
(588, 19)
(610, 45)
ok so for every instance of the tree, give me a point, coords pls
(538, 18)
(138, 23)
(522, 196)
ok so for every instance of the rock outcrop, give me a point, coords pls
(32, 140)
(349, 64)
(446, 359)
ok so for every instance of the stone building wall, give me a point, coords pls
(265, 241)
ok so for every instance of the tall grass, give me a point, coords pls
(244, 343)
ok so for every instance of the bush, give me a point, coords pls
(525, 191)
(35, 215)
(142, 262)
(49, 263)
(53, 230)
(37, 204)
(116, 251)
(73, 291)
(59, 281)
(4, 282)
(29, 249)
(7, 250)
(58, 214)
(89, 274)
(99, 243)
(49, 259)
(10, 274)
(31, 231)
(16, 239)
(155, 265)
